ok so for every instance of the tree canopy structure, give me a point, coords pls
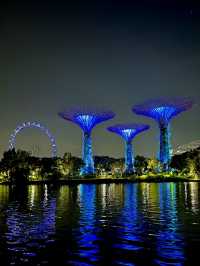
(128, 132)
(87, 119)
(163, 110)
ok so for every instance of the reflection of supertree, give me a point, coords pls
(88, 235)
(86, 119)
(128, 132)
(131, 228)
(163, 110)
(170, 241)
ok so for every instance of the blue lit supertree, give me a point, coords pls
(163, 110)
(128, 132)
(87, 119)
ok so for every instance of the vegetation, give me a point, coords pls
(188, 163)
(19, 167)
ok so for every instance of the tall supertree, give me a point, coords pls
(163, 110)
(128, 132)
(87, 119)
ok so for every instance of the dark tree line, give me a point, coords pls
(188, 162)
(20, 167)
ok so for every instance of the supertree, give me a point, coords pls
(128, 132)
(87, 119)
(163, 110)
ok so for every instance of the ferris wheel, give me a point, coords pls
(19, 128)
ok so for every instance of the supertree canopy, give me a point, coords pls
(87, 119)
(163, 110)
(128, 132)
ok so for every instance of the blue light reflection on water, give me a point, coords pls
(130, 224)
(170, 242)
(129, 238)
(88, 231)
(29, 226)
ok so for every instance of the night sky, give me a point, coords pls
(107, 53)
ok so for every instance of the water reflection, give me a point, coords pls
(113, 224)
(87, 241)
(192, 196)
(170, 242)
(130, 229)
(30, 223)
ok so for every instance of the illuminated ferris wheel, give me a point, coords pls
(19, 128)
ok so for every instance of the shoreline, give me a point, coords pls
(107, 181)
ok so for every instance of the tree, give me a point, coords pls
(117, 167)
(153, 165)
(16, 165)
(187, 163)
(141, 164)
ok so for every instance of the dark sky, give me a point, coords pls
(107, 53)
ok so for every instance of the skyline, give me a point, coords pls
(106, 54)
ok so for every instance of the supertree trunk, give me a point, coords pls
(165, 147)
(88, 167)
(129, 159)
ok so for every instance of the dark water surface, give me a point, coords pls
(112, 224)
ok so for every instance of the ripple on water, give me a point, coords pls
(130, 224)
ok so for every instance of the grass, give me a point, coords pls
(161, 177)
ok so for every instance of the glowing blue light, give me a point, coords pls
(88, 167)
(170, 243)
(129, 158)
(128, 132)
(164, 113)
(163, 110)
(88, 237)
(86, 119)
(87, 122)
(165, 147)
(29, 124)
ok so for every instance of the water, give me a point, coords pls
(112, 224)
